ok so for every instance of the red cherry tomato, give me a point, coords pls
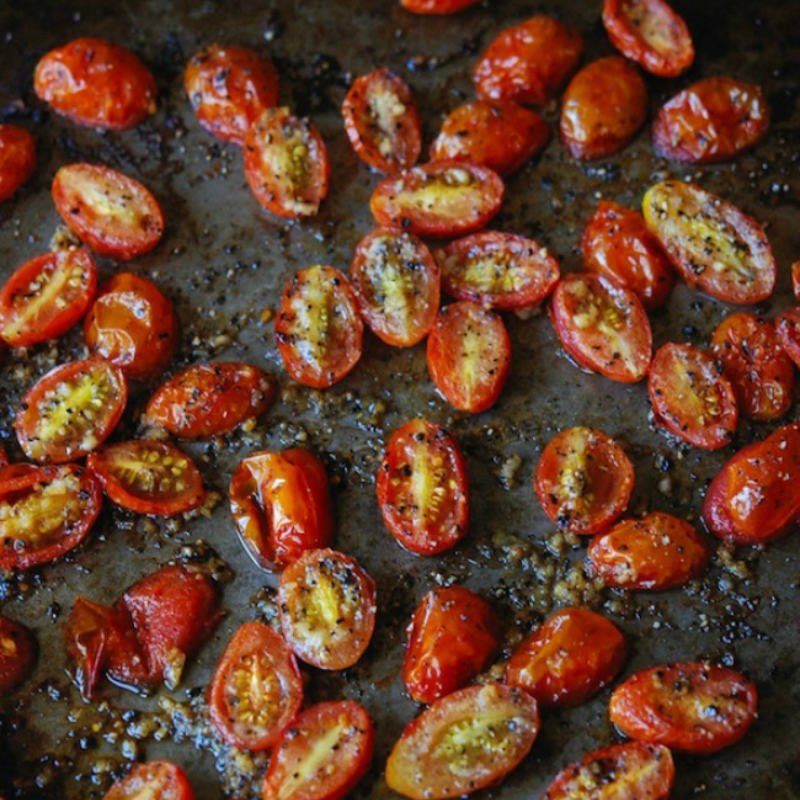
(691, 706)
(281, 506)
(796, 279)
(452, 636)
(286, 164)
(583, 480)
(650, 33)
(17, 159)
(396, 282)
(319, 331)
(153, 780)
(327, 608)
(422, 488)
(436, 6)
(46, 296)
(256, 690)
(466, 741)
(787, 329)
(441, 199)
(17, 654)
(96, 83)
(501, 136)
(322, 755)
(690, 398)
(229, 88)
(382, 122)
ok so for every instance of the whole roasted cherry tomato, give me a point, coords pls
(436, 6)
(501, 135)
(787, 329)
(319, 331)
(452, 636)
(650, 33)
(422, 488)
(46, 296)
(691, 706)
(440, 199)
(469, 356)
(286, 164)
(281, 506)
(96, 83)
(17, 159)
(466, 741)
(616, 243)
(528, 62)
(690, 398)
(154, 780)
(327, 608)
(229, 88)
(396, 282)
(714, 246)
(322, 755)
(256, 690)
(382, 122)
(17, 654)
(583, 480)
(603, 326)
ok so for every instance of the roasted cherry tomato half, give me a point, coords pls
(690, 398)
(281, 506)
(583, 480)
(656, 552)
(17, 654)
(46, 296)
(382, 122)
(322, 755)
(286, 164)
(629, 771)
(327, 608)
(17, 159)
(528, 62)
(397, 284)
(469, 356)
(96, 83)
(466, 741)
(714, 246)
(603, 326)
(692, 706)
(422, 488)
(650, 33)
(436, 6)
(787, 329)
(796, 279)
(440, 199)
(229, 88)
(616, 243)
(453, 635)
(153, 780)
(319, 331)
(501, 135)
(256, 690)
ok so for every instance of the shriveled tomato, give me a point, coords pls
(787, 329)
(436, 6)
(528, 62)
(616, 243)
(440, 199)
(396, 282)
(281, 506)
(153, 780)
(603, 326)
(466, 741)
(17, 654)
(650, 33)
(256, 690)
(583, 480)
(690, 398)
(286, 164)
(382, 122)
(207, 400)
(319, 331)
(229, 88)
(17, 159)
(46, 296)
(656, 552)
(96, 83)
(691, 706)
(322, 755)
(452, 636)
(422, 488)
(714, 246)
(500, 135)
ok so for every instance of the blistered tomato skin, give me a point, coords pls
(436, 6)
(17, 159)
(787, 328)
(17, 654)
(158, 780)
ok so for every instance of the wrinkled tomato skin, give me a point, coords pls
(155, 780)
(670, 705)
(787, 329)
(436, 6)
(452, 636)
(17, 159)
(96, 83)
(17, 654)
